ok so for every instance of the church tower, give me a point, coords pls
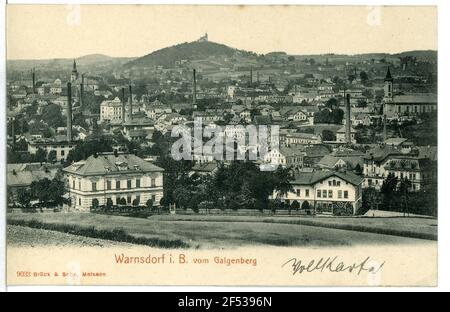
(388, 87)
(74, 75)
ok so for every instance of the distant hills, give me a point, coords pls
(185, 51)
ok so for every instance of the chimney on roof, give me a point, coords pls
(347, 120)
(69, 112)
(130, 100)
(251, 75)
(194, 88)
(123, 105)
(33, 78)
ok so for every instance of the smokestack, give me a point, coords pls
(347, 120)
(251, 75)
(384, 123)
(69, 112)
(123, 105)
(33, 78)
(81, 89)
(194, 88)
(13, 134)
(130, 99)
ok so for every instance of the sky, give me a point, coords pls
(70, 31)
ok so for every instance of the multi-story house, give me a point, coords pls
(402, 163)
(113, 176)
(303, 138)
(111, 111)
(326, 191)
(285, 157)
(61, 148)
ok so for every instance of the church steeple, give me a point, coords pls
(388, 75)
(74, 75)
(388, 86)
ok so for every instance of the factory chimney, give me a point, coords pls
(130, 100)
(13, 133)
(194, 89)
(251, 75)
(347, 120)
(384, 124)
(69, 112)
(33, 78)
(123, 105)
(81, 90)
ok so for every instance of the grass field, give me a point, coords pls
(220, 234)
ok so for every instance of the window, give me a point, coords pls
(108, 184)
(153, 181)
(298, 192)
(73, 184)
(153, 199)
(319, 194)
(306, 193)
(129, 184)
(79, 201)
(339, 194)
(330, 194)
(345, 194)
(94, 186)
(117, 184)
(79, 184)
(128, 199)
(138, 199)
(324, 193)
(329, 183)
(117, 200)
(334, 183)
(62, 152)
(338, 183)
(138, 182)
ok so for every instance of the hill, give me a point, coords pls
(191, 51)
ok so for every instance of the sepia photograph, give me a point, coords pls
(221, 145)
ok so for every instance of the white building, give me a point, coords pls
(111, 111)
(113, 176)
(327, 191)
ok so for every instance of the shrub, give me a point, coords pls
(305, 205)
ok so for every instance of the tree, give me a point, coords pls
(52, 157)
(109, 204)
(295, 205)
(363, 76)
(305, 205)
(149, 203)
(40, 156)
(122, 201)
(135, 202)
(95, 204)
(24, 198)
(404, 187)
(328, 135)
(388, 189)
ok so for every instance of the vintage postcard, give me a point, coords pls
(221, 145)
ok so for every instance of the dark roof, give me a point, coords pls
(108, 163)
(309, 178)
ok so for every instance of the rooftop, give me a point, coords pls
(110, 163)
